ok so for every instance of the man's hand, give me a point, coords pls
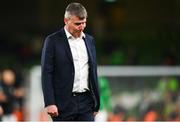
(95, 113)
(52, 110)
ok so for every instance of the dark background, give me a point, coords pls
(127, 32)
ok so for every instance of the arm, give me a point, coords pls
(96, 84)
(47, 70)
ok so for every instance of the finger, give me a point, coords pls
(95, 113)
(51, 113)
(54, 114)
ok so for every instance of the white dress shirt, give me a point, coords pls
(80, 59)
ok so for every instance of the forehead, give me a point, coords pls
(77, 19)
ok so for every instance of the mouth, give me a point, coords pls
(79, 31)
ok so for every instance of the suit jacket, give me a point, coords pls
(58, 70)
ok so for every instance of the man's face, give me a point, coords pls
(75, 25)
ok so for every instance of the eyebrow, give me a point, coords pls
(78, 23)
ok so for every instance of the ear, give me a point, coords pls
(65, 20)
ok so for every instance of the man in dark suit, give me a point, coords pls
(69, 70)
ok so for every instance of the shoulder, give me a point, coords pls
(57, 35)
(89, 36)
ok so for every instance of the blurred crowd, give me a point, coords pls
(159, 104)
(165, 107)
(12, 94)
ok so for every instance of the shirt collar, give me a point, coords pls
(69, 36)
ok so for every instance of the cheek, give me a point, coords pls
(73, 28)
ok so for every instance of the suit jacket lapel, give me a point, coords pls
(88, 45)
(68, 50)
(67, 46)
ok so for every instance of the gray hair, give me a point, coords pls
(75, 9)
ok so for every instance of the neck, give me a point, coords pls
(76, 35)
